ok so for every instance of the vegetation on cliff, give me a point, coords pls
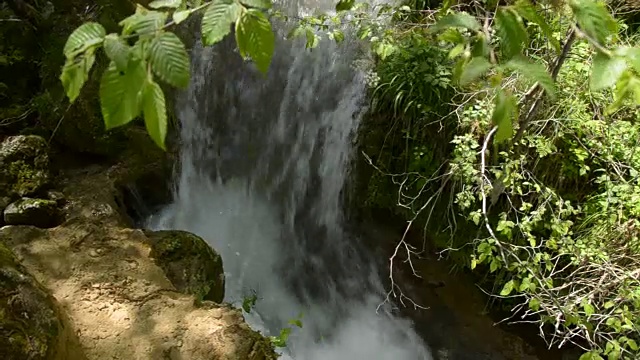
(508, 132)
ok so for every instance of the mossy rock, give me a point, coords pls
(191, 265)
(30, 326)
(37, 212)
(24, 165)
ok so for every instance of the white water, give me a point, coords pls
(263, 164)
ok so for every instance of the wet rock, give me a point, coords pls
(4, 202)
(30, 327)
(191, 265)
(36, 212)
(24, 165)
(56, 196)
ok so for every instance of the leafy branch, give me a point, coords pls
(145, 51)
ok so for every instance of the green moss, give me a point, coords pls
(188, 261)
(26, 180)
(29, 326)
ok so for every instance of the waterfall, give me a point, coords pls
(263, 164)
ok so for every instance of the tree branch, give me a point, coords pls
(536, 90)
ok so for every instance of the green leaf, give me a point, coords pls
(452, 35)
(458, 19)
(534, 304)
(534, 71)
(606, 71)
(493, 266)
(249, 302)
(508, 288)
(480, 46)
(627, 85)
(633, 345)
(312, 39)
(511, 31)
(594, 19)
(173, 4)
(155, 112)
(75, 73)
(296, 322)
(345, 5)
(120, 93)
(217, 20)
(337, 36)
(457, 50)
(383, 49)
(180, 16)
(588, 309)
(633, 56)
(144, 22)
(591, 355)
(609, 304)
(169, 59)
(529, 12)
(85, 36)
(504, 112)
(260, 4)
(255, 39)
(117, 50)
(477, 67)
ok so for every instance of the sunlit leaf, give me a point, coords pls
(508, 288)
(534, 71)
(345, 5)
(169, 59)
(120, 93)
(594, 19)
(606, 71)
(117, 50)
(85, 36)
(504, 114)
(477, 67)
(75, 73)
(260, 4)
(529, 12)
(155, 112)
(217, 20)
(458, 19)
(511, 31)
(255, 38)
(144, 22)
(180, 16)
(173, 4)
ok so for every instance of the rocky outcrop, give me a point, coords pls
(25, 176)
(24, 165)
(189, 263)
(28, 211)
(31, 325)
(131, 295)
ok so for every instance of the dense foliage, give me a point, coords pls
(535, 144)
(513, 123)
(146, 50)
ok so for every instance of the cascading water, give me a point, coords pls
(263, 163)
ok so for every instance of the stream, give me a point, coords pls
(262, 167)
(263, 164)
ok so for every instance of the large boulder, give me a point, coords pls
(191, 265)
(37, 212)
(24, 165)
(31, 326)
